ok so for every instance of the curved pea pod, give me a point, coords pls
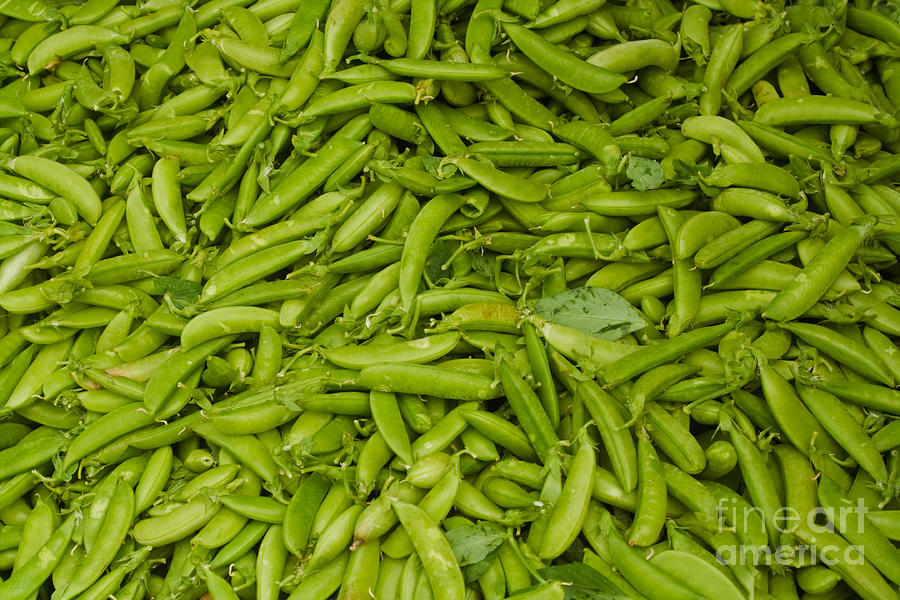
(112, 425)
(675, 440)
(733, 143)
(61, 180)
(700, 229)
(35, 449)
(633, 203)
(839, 422)
(817, 277)
(502, 183)
(299, 184)
(226, 321)
(617, 439)
(428, 380)
(667, 351)
(581, 75)
(26, 581)
(301, 511)
(177, 367)
(116, 524)
(175, 525)
(756, 204)
(371, 214)
(433, 549)
(696, 574)
(423, 350)
(819, 109)
(69, 42)
(571, 507)
(848, 351)
(630, 56)
(655, 583)
(795, 420)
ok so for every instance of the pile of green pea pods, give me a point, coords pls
(449, 299)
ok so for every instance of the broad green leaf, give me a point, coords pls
(181, 292)
(644, 173)
(584, 582)
(474, 547)
(593, 310)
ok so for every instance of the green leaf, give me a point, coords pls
(593, 310)
(644, 173)
(441, 251)
(181, 292)
(475, 547)
(583, 582)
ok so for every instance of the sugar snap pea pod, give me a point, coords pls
(297, 186)
(112, 533)
(640, 116)
(154, 479)
(837, 421)
(724, 57)
(766, 177)
(696, 574)
(421, 236)
(595, 139)
(62, 180)
(827, 109)
(862, 577)
(335, 537)
(419, 351)
(795, 420)
(571, 508)
(700, 229)
(519, 103)
(438, 560)
(371, 213)
(137, 265)
(633, 203)
(525, 154)
(528, 409)
(258, 508)
(650, 512)
(360, 96)
(123, 420)
(303, 26)
(225, 321)
(343, 17)
(235, 275)
(755, 66)
(178, 366)
(504, 184)
(443, 71)
(26, 581)
(69, 42)
(851, 352)
(734, 144)
(637, 54)
(818, 275)
(32, 451)
(647, 358)
(562, 12)
(568, 68)
(756, 204)
(754, 254)
(646, 578)
(617, 439)
(430, 380)
(175, 525)
(731, 243)
(781, 143)
(675, 440)
(31, 381)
